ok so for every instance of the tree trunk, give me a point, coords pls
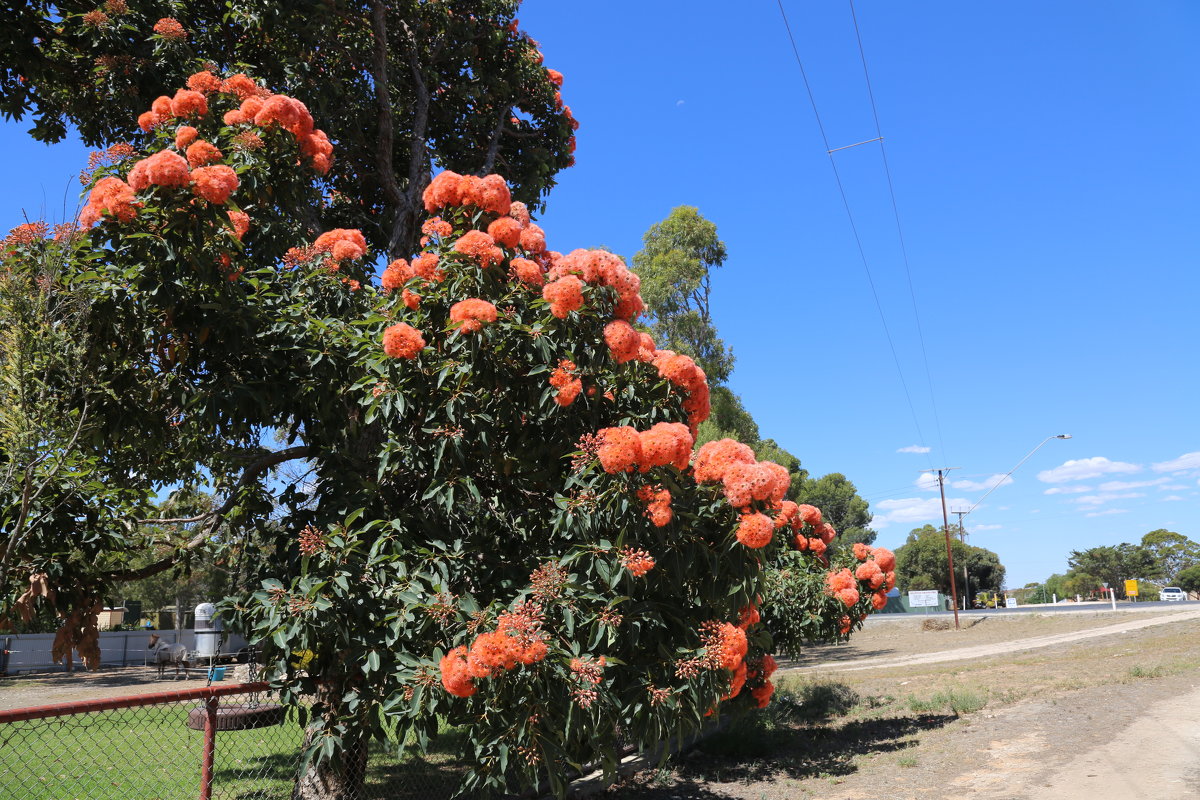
(179, 619)
(339, 778)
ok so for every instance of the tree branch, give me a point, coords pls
(494, 143)
(213, 518)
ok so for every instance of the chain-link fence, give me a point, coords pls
(216, 743)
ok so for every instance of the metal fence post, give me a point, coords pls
(210, 747)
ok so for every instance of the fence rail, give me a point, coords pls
(216, 743)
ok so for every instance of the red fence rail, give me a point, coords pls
(218, 743)
(132, 701)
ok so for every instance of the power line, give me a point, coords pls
(853, 226)
(899, 229)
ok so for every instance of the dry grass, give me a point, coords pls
(1005, 679)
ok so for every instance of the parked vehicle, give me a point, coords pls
(1172, 593)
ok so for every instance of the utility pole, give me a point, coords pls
(946, 529)
(962, 537)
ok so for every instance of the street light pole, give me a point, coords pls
(949, 553)
(962, 537)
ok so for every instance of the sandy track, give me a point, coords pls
(984, 651)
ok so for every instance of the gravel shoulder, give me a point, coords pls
(1114, 706)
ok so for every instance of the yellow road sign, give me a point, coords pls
(1131, 588)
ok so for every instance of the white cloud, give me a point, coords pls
(986, 527)
(1171, 498)
(912, 509)
(1173, 487)
(993, 482)
(1069, 490)
(678, 102)
(1121, 486)
(1084, 468)
(1185, 461)
(1106, 512)
(1107, 497)
(914, 448)
(927, 482)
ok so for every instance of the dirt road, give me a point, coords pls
(996, 649)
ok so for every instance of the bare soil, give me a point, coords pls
(1044, 714)
(44, 688)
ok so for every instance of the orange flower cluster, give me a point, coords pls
(170, 29)
(23, 235)
(184, 136)
(683, 372)
(204, 82)
(602, 268)
(472, 314)
(527, 272)
(506, 231)
(411, 299)
(760, 672)
(241, 223)
(451, 189)
(481, 247)
(564, 380)
(624, 343)
(638, 562)
(564, 295)
(402, 341)
(748, 616)
(517, 640)
(342, 244)
(755, 530)
(214, 184)
(456, 677)
(113, 196)
(258, 107)
(199, 152)
(744, 479)
(186, 104)
(658, 505)
(666, 443)
(164, 168)
(436, 226)
(725, 645)
(841, 585)
(878, 571)
(524, 625)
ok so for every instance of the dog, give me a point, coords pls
(164, 654)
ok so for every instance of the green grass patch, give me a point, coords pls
(151, 753)
(958, 700)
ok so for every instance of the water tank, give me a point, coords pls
(208, 631)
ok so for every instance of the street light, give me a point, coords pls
(1014, 469)
(999, 483)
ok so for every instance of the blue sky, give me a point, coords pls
(1047, 184)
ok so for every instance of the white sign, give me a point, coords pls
(919, 599)
(1010, 602)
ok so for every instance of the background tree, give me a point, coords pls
(1189, 579)
(841, 505)
(922, 564)
(1113, 565)
(1171, 553)
(399, 85)
(675, 265)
